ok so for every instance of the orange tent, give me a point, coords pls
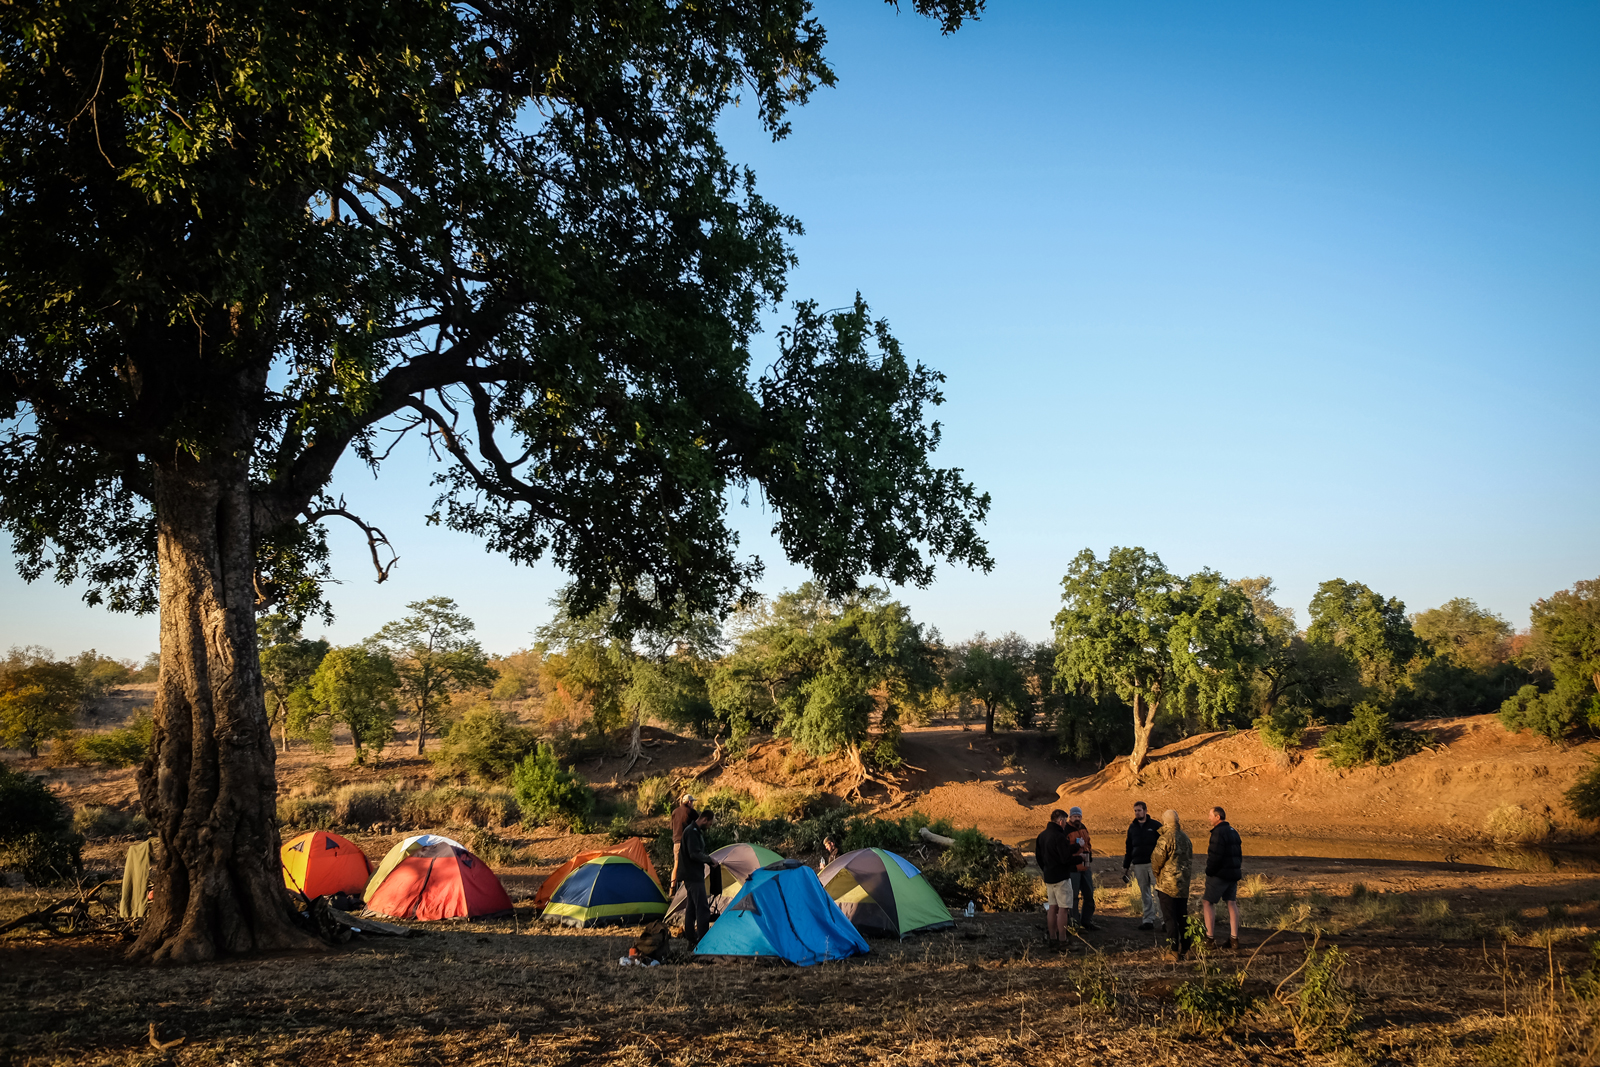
(633, 848)
(319, 863)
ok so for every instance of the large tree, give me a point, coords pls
(995, 673)
(243, 239)
(433, 657)
(1130, 627)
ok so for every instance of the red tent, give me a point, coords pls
(432, 877)
(319, 863)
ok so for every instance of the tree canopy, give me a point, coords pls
(243, 240)
(433, 657)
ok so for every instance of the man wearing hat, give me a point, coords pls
(1081, 913)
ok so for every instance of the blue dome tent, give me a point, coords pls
(783, 911)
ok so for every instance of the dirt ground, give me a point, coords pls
(1459, 951)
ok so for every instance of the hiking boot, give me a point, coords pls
(1090, 926)
(1147, 925)
(1233, 944)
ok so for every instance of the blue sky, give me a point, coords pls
(1310, 291)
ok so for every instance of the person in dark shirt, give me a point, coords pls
(1224, 868)
(1057, 856)
(1142, 834)
(694, 859)
(682, 816)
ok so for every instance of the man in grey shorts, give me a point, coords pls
(1057, 856)
(1224, 868)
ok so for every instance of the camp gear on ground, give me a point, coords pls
(652, 943)
(735, 863)
(782, 911)
(432, 877)
(883, 893)
(633, 848)
(136, 880)
(319, 864)
(606, 891)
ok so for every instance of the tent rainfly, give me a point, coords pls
(783, 912)
(739, 861)
(884, 894)
(433, 877)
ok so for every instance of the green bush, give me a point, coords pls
(1282, 728)
(1369, 737)
(97, 820)
(1584, 796)
(490, 847)
(36, 835)
(655, 796)
(484, 744)
(546, 792)
(305, 813)
(125, 746)
(1551, 715)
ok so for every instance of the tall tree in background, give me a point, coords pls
(39, 698)
(1132, 628)
(994, 673)
(353, 687)
(1113, 633)
(288, 660)
(1371, 632)
(241, 240)
(1566, 642)
(433, 657)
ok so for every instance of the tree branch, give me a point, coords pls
(375, 537)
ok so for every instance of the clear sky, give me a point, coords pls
(1304, 290)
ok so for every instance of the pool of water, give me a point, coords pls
(1516, 859)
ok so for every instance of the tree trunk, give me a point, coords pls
(208, 786)
(1142, 725)
(422, 722)
(988, 718)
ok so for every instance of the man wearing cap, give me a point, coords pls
(682, 816)
(1081, 912)
(1054, 851)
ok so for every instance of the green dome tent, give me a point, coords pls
(884, 894)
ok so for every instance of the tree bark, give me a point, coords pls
(988, 718)
(208, 784)
(1142, 725)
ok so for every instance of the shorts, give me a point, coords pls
(1058, 894)
(1218, 890)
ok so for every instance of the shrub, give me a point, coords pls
(1282, 728)
(322, 779)
(654, 796)
(619, 829)
(490, 847)
(1512, 824)
(1584, 796)
(305, 813)
(1547, 714)
(451, 806)
(1010, 891)
(1322, 1014)
(485, 744)
(1369, 737)
(364, 805)
(97, 820)
(36, 835)
(545, 791)
(125, 746)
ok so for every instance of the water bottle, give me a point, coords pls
(971, 909)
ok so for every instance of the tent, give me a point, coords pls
(739, 861)
(882, 893)
(783, 911)
(606, 891)
(432, 877)
(318, 864)
(633, 848)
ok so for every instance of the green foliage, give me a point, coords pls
(546, 792)
(1214, 999)
(1322, 1012)
(288, 660)
(816, 669)
(38, 699)
(995, 674)
(125, 746)
(1372, 633)
(354, 686)
(1584, 795)
(36, 835)
(98, 820)
(1132, 628)
(619, 829)
(654, 796)
(98, 675)
(1565, 642)
(433, 657)
(485, 744)
(1369, 738)
(1282, 728)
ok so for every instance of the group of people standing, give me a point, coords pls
(1159, 857)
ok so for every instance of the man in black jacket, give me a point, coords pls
(1142, 834)
(1057, 856)
(1224, 868)
(693, 862)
